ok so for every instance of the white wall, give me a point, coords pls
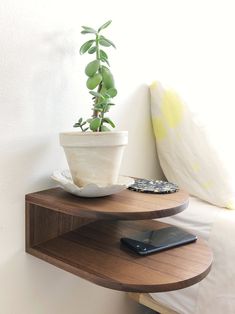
(187, 44)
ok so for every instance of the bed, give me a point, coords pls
(182, 160)
(216, 293)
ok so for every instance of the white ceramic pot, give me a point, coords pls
(94, 157)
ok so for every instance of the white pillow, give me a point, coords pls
(185, 153)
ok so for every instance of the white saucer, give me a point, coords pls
(90, 190)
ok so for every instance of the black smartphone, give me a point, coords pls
(153, 241)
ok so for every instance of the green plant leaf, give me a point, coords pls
(99, 108)
(105, 60)
(106, 42)
(104, 128)
(87, 45)
(92, 68)
(94, 81)
(104, 57)
(95, 124)
(104, 25)
(112, 92)
(103, 54)
(107, 77)
(89, 29)
(96, 94)
(109, 121)
(86, 32)
(103, 90)
(80, 120)
(101, 101)
(92, 50)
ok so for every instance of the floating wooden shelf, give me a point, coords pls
(82, 236)
(125, 205)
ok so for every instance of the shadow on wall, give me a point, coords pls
(140, 157)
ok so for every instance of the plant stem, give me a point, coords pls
(97, 47)
(95, 112)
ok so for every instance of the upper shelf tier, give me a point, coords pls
(128, 204)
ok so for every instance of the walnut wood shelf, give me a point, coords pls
(82, 236)
(125, 205)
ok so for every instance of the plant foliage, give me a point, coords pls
(100, 81)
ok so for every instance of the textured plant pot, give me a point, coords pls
(94, 157)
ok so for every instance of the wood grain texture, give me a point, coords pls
(125, 205)
(93, 252)
(82, 236)
(43, 224)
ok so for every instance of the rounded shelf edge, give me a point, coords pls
(95, 254)
(126, 205)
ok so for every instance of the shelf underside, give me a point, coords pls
(93, 252)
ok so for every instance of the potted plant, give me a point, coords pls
(95, 152)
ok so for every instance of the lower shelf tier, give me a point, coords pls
(93, 252)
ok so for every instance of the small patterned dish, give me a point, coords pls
(90, 190)
(153, 186)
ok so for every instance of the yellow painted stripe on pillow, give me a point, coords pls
(207, 185)
(195, 166)
(172, 108)
(159, 129)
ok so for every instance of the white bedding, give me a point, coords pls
(216, 293)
